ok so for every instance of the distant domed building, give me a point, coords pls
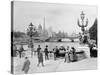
(40, 30)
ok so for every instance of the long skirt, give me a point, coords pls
(71, 57)
(67, 59)
(26, 66)
(26, 70)
(40, 58)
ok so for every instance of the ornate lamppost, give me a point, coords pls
(30, 32)
(83, 24)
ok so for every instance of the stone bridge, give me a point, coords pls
(55, 38)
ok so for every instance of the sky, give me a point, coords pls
(59, 17)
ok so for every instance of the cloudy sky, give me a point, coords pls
(61, 17)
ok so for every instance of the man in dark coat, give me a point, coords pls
(40, 58)
(38, 50)
(26, 65)
(56, 52)
(93, 53)
(20, 51)
(46, 52)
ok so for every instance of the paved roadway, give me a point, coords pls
(58, 65)
(55, 66)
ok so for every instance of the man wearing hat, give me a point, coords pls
(38, 50)
(46, 52)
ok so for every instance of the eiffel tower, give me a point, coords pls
(44, 31)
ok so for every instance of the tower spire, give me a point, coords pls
(44, 25)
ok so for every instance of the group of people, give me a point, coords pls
(16, 51)
(26, 65)
(40, 54)
(68, 53)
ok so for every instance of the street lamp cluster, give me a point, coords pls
(30, 32)
(82, 24)
(84, 38)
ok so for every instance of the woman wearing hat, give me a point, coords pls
(73, 56)
(67, 58)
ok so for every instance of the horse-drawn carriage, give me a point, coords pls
(59, 52)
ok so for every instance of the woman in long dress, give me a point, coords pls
(73, 56)
(67, 58)
(26, 65)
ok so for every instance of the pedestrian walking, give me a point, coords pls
(26, 65)
(46, 52)
(56, 51)
(67, 58)
(40, 58)
(20, 51)
(38, 50)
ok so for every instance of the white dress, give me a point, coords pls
(67, 59)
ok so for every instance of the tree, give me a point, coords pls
(93, 31)
(18, 34)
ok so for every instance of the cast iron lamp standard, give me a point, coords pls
(83, 24)
(30, 32)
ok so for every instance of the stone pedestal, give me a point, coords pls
(86, 50)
